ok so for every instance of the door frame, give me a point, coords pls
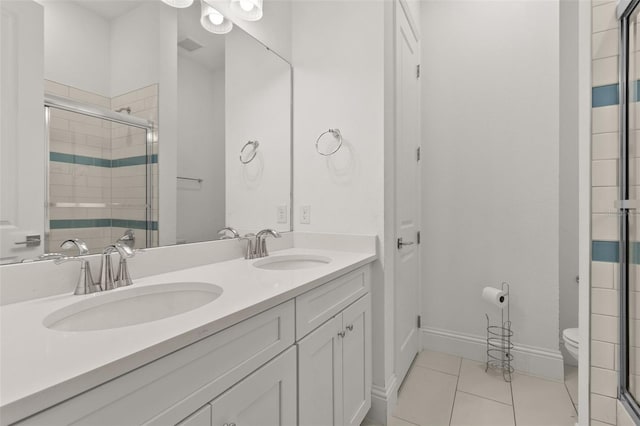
(402, 9)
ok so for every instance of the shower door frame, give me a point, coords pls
(625, 10)
(57, 102)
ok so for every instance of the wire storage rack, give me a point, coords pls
(499, 344)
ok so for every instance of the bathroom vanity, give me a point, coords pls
(287, 340)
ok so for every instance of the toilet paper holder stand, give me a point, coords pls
(499, 345)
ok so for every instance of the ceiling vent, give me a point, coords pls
(189, 45)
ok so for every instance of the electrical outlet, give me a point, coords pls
(282, 214)
(305, 215)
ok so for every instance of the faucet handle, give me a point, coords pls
(78, 243)
(222, 233)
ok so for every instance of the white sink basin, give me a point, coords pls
(293, 261)
(131, 306)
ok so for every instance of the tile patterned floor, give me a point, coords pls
(446, 390)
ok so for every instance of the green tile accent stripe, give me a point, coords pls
(609, 251)
(101, 223)
(135, 224)
(605, 96)
(605, 251)
(79, 159)
(101, 162)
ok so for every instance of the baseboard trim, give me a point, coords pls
(383, 401)
(527, 359)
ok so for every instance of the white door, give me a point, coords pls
(22, 150)
(320, 376)
(266, 397)
(356, 361)
(407, 214)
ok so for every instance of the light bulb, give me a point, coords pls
(215, 17)
(246, 5)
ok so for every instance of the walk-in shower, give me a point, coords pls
(99, 174)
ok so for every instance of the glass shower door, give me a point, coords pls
(629, 208)
(97, 185)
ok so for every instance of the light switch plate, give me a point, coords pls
(282, 214)
(305, 215)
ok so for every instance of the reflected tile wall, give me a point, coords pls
(97, 178)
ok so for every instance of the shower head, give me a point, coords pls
(127, 109)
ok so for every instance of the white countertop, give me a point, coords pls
(40, 367)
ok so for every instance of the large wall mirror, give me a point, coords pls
(151, 124)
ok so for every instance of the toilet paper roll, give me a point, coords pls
(495, 296)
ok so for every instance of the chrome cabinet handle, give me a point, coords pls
(342, 333)
(350, 327)
(402, 243)
(229, 424)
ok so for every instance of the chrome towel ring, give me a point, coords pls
(326, 152)
(249, 152)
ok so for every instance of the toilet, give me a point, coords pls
(571, 341)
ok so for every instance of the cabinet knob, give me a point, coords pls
(350, 327)
(342, 333)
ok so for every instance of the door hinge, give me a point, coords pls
(418, 71)
(418, 237)
(419, 321)
(418, 154)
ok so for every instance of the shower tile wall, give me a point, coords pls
(97, 176)
(605, 408)
(129, 172)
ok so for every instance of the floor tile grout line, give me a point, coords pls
(455, 392)
(433, 369)
(513, 401)
(575, 408)
(485, 398)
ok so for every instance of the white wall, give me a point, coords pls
(568, 169)
(201, 206)
(491, 169)
(258, 107)
(77, 51)
(338, 52)
(339, 83)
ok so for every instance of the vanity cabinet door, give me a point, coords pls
(320, 375)
(266, 397)
(202, 417)
(356, 361)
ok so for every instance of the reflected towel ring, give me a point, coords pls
(247, 155)
(336, 134)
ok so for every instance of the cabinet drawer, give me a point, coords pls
(170, 388)
(318, 305)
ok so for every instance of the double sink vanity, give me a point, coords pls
(280, 340)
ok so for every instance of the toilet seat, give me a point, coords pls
(571, 335)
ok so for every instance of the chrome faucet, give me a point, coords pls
(109, 280)
(261, 241)
(85, 284)
(223, 233)
(250, 252)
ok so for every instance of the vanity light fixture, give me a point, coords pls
(180, 4)
(214, 21)
(249, 10)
